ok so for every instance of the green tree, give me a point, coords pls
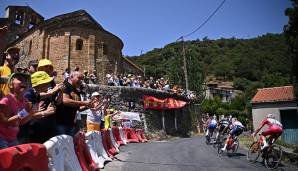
(275, 80)
(291, 33)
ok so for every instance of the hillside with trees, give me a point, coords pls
(250, 63)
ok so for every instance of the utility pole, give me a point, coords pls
(184, 64)
(144, 68)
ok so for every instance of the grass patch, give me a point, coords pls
(245, 141)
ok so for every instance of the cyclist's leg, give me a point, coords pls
(228, 139)
(211, 131)
(207, 131)
(276, 133)
(219, 132)
(263, 138)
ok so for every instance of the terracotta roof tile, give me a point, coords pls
(274, 94)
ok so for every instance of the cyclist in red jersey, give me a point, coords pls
(275, 130)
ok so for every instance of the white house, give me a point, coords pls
(279, 101)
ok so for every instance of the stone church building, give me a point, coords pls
(68, 40)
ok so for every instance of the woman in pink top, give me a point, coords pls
(14, 110)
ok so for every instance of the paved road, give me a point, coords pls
(186, 154)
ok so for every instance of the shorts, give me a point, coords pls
(91, 126)
(236, 131)
(221, 128)
(273, 131)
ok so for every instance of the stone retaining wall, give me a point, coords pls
(186, 118)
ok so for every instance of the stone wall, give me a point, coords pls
(151, 119)
(19, 19)
(57, 39)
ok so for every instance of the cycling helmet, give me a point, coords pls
(270, 115)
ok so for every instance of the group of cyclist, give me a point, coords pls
(228, 125)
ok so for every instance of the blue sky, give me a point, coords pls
(147, 24)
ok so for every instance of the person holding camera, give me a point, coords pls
(71, 104)
(43, 126)
(94, 114)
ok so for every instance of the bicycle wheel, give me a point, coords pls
(253, 152)
(207, 140)
(235, 146)
(273, 157)
(217, 141)
(220, 145)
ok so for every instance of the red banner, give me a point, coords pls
(151, 102)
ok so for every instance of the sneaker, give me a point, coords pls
(223, 149)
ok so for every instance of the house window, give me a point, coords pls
(19, 18)
(32, 21)
(79, 44)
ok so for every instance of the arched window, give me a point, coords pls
(79, 44)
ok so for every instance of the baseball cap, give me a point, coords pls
(44, 62)
(40, 77)
(95, 94)
(13, 48)
(18, 75)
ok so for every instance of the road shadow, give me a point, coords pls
(235, 155)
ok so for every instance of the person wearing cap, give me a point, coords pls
(15, 110)
(94, 114)
(67, 111)
(274, 131)
(11, 58)
(54, 89)
(42, 127)
(45, 65)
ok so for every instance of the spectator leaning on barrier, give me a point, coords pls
(15, 110)
(66, 112)
(43, 126)
(12, 57)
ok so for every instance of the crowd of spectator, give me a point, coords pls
(160, 84)
(34, 107)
